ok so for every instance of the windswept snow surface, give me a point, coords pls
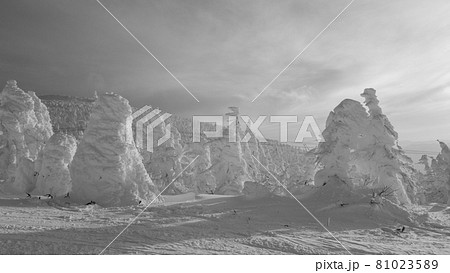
(212, 224)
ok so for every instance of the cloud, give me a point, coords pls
(225, 52)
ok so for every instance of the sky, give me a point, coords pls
(226, 52)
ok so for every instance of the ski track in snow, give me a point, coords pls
(211, 225)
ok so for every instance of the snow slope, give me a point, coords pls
(213, 224)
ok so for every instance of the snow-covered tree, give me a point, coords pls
(53, 173)
(361, 150)
(25, 127)
(437, 180)
(426, 164)
(433, 180)
(107, 167)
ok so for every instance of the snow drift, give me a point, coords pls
(107, 168)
